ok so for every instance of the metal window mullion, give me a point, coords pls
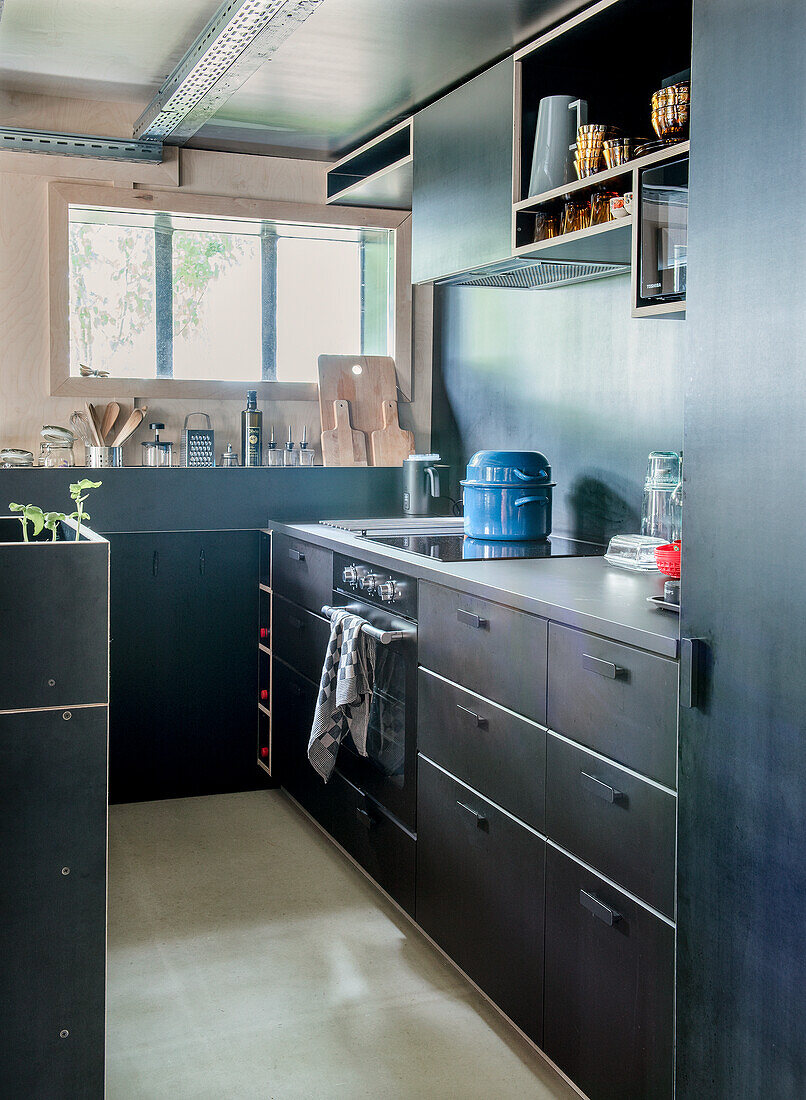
(268, 303)
(163, 296)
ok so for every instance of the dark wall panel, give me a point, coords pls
(742, 923)
(567, 372)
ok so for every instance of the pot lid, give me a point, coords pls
(509, 468)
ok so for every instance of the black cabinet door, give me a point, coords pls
(53, 902)
(462, 190)
(183, 664)
(609, 993)
(293, 705)
(479, 893)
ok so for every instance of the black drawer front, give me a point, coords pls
(488, 648)
(615, 699)
(622, 825)
(480, 893)
(292, 715)
(299, 638)
(609, 988)
(384, 849)
(301, 572)
(501, 755)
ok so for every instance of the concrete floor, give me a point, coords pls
(249, 959)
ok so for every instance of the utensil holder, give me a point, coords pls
(101, 458)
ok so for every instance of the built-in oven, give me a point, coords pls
(663, 232)
(387, 601)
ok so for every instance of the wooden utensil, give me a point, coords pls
(391, 444)
(131, 425)
(343, 445)
(97, 438)
(111, 413)
(366, 381)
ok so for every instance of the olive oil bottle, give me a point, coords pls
(252, 431)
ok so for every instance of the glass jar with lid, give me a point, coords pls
(14, 456)
(156, 451)
(56, 454)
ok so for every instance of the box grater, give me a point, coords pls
(198, 444)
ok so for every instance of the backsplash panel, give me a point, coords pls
(567, 372)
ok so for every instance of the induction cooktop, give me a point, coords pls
(457, 547)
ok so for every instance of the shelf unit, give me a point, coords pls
(571, 60)
(264, 746)
(377, 174)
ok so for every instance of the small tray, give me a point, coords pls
(664, 605)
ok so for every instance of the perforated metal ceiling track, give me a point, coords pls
(241, 36)
(522, 274)
(80, 145)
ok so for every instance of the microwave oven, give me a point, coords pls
(663, 232)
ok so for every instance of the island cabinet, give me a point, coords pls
(546, 819)
(462, 186)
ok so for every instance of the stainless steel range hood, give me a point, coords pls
(520, 273)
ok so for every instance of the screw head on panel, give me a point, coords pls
(65, 870)
(67, 715)
(63, 1033)
(51, 683)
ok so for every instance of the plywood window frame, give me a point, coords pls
(61, 196)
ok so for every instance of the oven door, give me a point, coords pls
(388, 772)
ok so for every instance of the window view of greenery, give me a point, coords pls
(189, 297)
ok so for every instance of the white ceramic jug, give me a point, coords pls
(558, 118)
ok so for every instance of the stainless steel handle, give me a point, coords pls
(692, 662)
(603, 912)
(597, 787)
(602, 668)
(471, 619)
(297, 555)
(385, 637)
(481, 820)
(432, 473)
(477, 718)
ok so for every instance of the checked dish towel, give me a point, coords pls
(345, 692)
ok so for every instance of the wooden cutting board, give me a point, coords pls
(391, 445)
(366, 381)
(343, 445)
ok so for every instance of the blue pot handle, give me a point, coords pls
(528, 477)
(530, 500)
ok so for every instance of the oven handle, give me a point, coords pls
(385, 637)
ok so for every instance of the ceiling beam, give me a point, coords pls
(241, 36)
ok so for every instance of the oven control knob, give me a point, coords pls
(387, 591)
(369, 582)
(350, 574)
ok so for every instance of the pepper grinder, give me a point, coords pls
(305, 454)
(289, 454)
(273, 456)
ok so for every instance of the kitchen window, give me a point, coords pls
(185, 298)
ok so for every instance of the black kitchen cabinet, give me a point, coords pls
(184, 674)
(480, 880)
(609, 991)
(293, 705)
(462, 189)
(53, 900)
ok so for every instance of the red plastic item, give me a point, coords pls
(264, 632)
(667, 559)
(264, 750)
(264, 694)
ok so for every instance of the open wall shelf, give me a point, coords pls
(377, 174)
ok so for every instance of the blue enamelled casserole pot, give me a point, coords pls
(508, 496)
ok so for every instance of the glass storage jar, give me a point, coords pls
(56, 453)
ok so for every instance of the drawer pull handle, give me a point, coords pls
(602, 668)
(481, 820)
(603, 912)
(597, 787)
(471, 619)
(364, 818)
(297, 555)
(477, 718)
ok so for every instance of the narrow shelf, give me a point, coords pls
(264, 709)
(660, 309)
(607, 243)
(264, 588)
(377, 174)
(260, 764)
(263, 648)
(609, 174)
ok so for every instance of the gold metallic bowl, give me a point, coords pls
(617, 151)
(588, 167)
(591, 130)
(671, 121)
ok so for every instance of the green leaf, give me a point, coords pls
(16, 507)
(36, 517)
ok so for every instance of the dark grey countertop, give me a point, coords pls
(582, 592)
